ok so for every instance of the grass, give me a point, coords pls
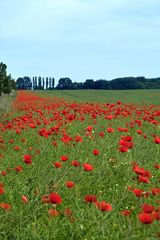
(45, 128)
(6, 101)
(133, 96)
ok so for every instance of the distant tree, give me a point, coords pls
(36, 84)
(43, 83)
(46, 83)
(53, 81)
(20, 83)
(101, 84)
(65, 83)
(13, 84)
(28, 83)
(77, 85)
(39, 83)
(89, 84)
(50, 83)
(24, 83)
(7, 87)
(3, 74)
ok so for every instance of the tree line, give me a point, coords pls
(124, 83)
(7, 83)
(36, 83)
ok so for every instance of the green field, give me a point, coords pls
(133, 96)
(80, 165)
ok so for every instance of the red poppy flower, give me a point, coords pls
(88, 167)
(2, 190)
(17, 148)
(138, 192)
(139, 131)
(110, 130)
(89, 128)
(155, 191)
(147, 208)
(157, 140)
(58, 164)
(157, 166)
(96, 152)
(101, 134)
(3, 173)
(78, 138)
(45, 199)
(55, 198)
(5, 206)
(18, 168)
(64, 158)
(143, 179)
(103, 206)
(53, 212)
(70, 184)
(90, 198)
(126, 212)
(123, 149)
(75, 163)
(27, 159)
(67, 212)
(24, 199)
(146, 218)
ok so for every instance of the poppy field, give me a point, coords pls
(85, 168)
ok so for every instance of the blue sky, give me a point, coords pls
(80, 39)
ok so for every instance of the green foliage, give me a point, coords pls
(6, 81)
(64, 83)
(24, 83)
(126, 83)
(3, 68)
(7, 87)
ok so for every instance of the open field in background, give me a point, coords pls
(133, 96)
(81, 165)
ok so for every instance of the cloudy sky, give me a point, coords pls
(80, 39)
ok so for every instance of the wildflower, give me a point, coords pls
(146, 218)
(55, 198)
(143, 179)
(157, 140)
(70, 184)
(90, 198)
(96, 152)
(64, 158)
(5, 206)
(18, 168)
(137, 192)
(45, 199)
(78, 138)
(126, 212)
(88, 167)
(110, 130)
(75, 163)
(103, 206)
(147, 208)
(2, 190)
(157, 166)
(27, 159)
(53, 212)
(58, 164)
(24, 199)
